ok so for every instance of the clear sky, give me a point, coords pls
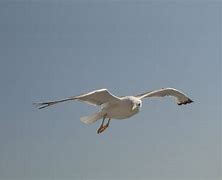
(54, 50)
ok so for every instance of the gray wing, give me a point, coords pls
(180, 97)
(97, 97)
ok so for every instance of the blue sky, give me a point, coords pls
(51, 50)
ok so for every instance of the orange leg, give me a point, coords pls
(102, 127)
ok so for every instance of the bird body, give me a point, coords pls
(113, 107)
(127, 107)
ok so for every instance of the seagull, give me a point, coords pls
(114, 107)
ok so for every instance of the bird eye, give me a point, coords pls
(139, 104)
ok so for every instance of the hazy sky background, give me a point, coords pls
(54, 50)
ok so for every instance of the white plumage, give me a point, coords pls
(113, 107)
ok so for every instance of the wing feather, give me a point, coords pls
(180, 97)
(97, 97)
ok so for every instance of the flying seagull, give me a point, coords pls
(114, 107)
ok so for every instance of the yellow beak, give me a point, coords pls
(134, 107)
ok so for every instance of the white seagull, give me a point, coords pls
(114, 107)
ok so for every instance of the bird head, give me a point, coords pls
(137, 103)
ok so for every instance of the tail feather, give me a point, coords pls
(92, 118)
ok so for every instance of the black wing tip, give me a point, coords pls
(188, 101)
(41, 105)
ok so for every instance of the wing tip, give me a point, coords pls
(41, 105)
(188, 101)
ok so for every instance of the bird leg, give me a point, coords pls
(107, 125)
(102, 127)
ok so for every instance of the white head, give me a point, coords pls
(136, 103)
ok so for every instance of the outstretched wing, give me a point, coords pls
(97, 97)
(180, 97)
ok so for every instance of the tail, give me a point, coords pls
(92, 118)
